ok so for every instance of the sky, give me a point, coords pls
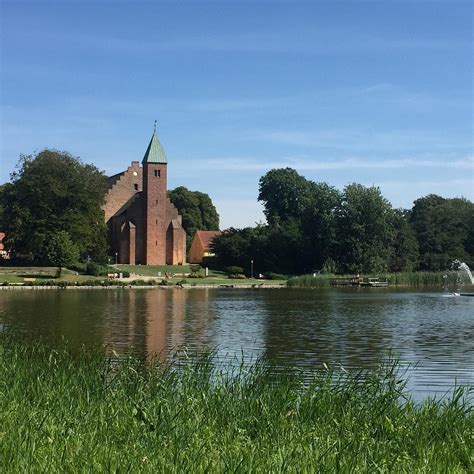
(374, 92)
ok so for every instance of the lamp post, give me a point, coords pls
(251, 268)
(116, 258)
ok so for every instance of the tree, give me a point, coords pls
(53, 192)
(197, 210)
(318, 224)
(300, 216)
(443, 228)
(284, 193)
(60, 250)
(364, 230)
(404, 252)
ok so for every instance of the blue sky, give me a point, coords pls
(376, 92)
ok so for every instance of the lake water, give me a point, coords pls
(432, 333)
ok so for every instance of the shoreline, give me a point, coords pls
(184, 286)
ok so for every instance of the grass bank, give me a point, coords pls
(83, 412)
(17, 275)
(408, 279)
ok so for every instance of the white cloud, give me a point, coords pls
(310, 164)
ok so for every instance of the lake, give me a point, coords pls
(431, 334)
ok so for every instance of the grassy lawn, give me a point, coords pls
(18, 274)
(153, 270)
(65, 412)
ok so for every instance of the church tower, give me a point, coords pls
(144, 226)
(154, 203)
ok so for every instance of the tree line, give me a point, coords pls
(51, 212)
(312, 226)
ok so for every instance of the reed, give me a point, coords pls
(408, 279)
(83, 412)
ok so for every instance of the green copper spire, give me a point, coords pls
(154, 153)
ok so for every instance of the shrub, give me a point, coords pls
(197, 275)
(234, 270)
(275, 276)
(93, 269)
(238, 276)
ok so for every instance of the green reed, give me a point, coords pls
(83, 412)
(408, 279)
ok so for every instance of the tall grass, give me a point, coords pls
(63, 412)
(412, 279)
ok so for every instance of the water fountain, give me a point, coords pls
(462, 271)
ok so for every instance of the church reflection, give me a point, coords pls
(157, 322)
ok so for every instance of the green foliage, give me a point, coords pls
(285, 194)
(197, 210)
(232, 270)
(312, 226)
(237, 276)
(93, 269)
(197, 275)
(55, 191)
(60, 250)
(444, 230)
(404, 252)
(364, 228)
(63, 410)
(409, 279)
(274, 276)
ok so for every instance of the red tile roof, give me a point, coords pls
(205, 237)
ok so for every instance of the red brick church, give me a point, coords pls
(144, 226)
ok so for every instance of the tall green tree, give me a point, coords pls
(318, 225)
(364, 229)
(197, 210)
(404, 252)
(53, 191)
(285, 194)
(444, 230)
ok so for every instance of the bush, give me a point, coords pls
(274, 276)
(93, 269)
(197, 275)
(238, 276)
(125, 274)
(234, 270)
(195, 269)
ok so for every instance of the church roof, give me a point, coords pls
(206, 236)
(154, 153)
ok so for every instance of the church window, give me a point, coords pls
(156, 242)
(135, 186)
(157, 173)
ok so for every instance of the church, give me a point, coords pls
(144, 226)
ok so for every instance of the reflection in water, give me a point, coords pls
(354, 328)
